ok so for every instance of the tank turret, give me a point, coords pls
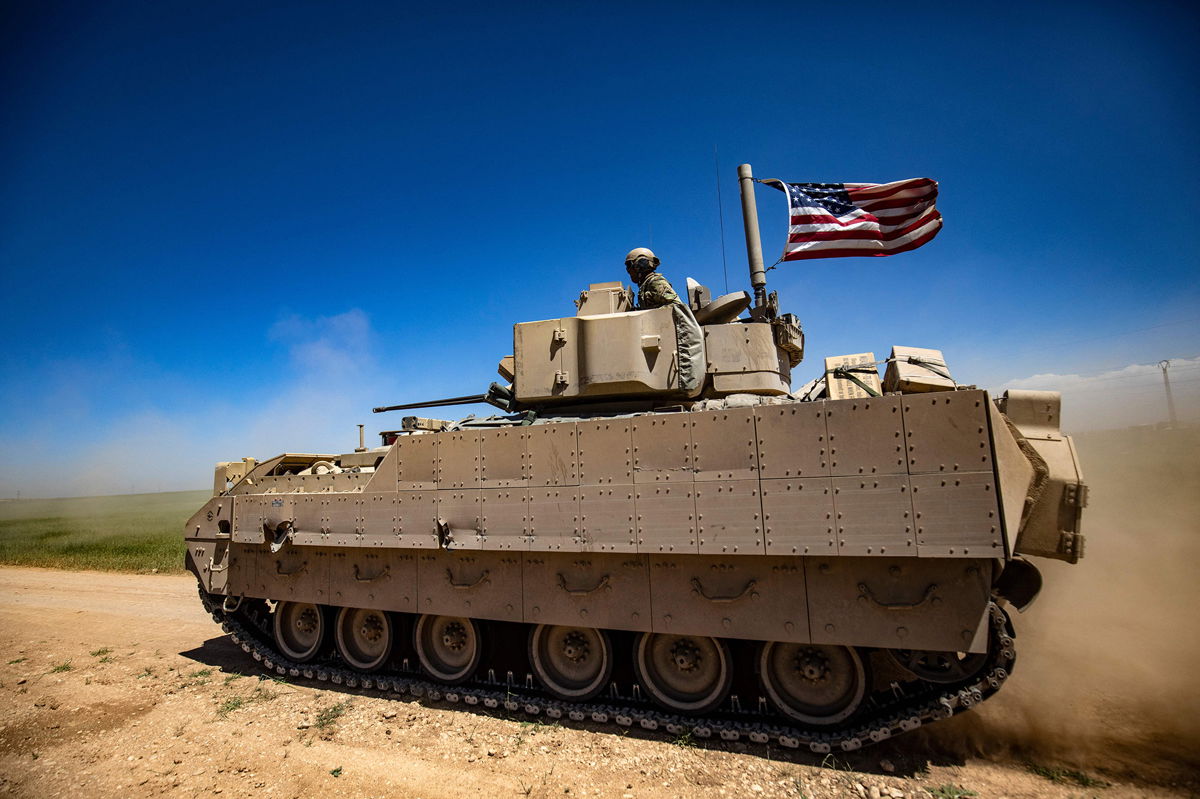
(608, 351)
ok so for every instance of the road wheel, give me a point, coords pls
(811, 683)
(448, 647)
(299, 630)
(683, 673)
(364, 637)
(939, 667)
(572, 663)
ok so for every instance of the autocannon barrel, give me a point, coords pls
(468, 400)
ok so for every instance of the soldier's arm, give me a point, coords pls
(655, 292)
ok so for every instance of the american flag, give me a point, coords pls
(834, 220)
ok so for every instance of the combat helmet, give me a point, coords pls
(641, 260)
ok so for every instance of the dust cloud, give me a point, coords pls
(1108, 656)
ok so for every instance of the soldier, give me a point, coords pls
(654, 290)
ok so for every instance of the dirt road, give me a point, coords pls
(119, 685)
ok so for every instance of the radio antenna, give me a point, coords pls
(721, 217)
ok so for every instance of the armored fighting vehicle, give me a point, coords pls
(654, 529)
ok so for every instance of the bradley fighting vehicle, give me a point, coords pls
(657, 531)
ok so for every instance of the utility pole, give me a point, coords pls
(1165, 365)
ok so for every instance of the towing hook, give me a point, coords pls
(279, 534)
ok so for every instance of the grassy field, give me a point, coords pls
(133, 532)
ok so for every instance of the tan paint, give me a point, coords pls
(868, 521)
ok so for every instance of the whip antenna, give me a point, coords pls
(721, 217)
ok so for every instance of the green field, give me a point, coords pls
(132, 532)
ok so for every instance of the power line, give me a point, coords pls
(1126, 390)
(1194, 361)
(1108, 378)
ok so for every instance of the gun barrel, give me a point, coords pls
(758, 275)
(468, 400)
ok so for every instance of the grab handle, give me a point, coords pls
(866, 593)
(562, 583)
(279, 569)
(383, 574)
(466, 586)
(699, 589)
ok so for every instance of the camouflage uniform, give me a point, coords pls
(654, 291)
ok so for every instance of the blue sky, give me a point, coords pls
(231, 229)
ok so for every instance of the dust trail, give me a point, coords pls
(1109, 655)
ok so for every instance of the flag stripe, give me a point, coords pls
(877, 192)
(867, 233)
(830, 219)
(845, 252)
(866, 244)
(895, 202)
(847, 221)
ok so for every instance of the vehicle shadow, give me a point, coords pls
(222, 653)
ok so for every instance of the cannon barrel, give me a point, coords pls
(497, 395)
(468, 400)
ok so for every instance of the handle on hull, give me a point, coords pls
(382, 575)
(866, 593)
(466, 586)
(562, 583)
(699, 589)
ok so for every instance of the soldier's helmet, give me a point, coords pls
(640, 260)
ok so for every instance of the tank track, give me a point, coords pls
(892, 711)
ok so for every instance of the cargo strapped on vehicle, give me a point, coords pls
(846, 372)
